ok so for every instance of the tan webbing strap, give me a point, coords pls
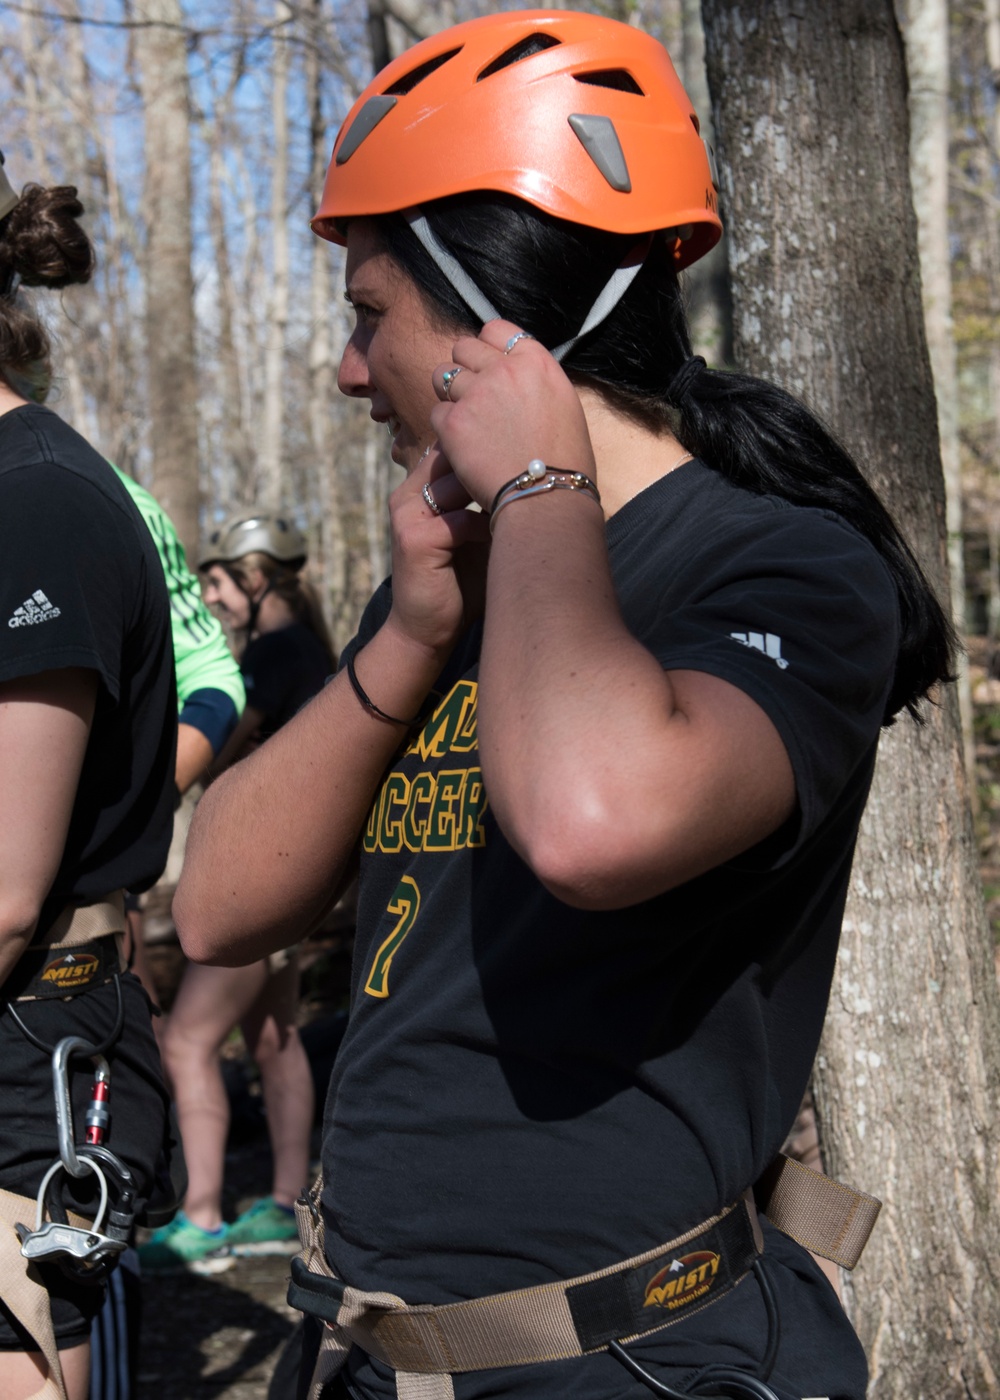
(81, 923)
(824, 1215)
(426, 1344)
(23, 1292)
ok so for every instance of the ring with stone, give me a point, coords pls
(428, 497)
(448, 379)
(521, 335)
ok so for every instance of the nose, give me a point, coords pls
(352, 377)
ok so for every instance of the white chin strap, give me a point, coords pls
(618, 284)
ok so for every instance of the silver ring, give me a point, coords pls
(521, 335)
(448, 379)
(432, 503)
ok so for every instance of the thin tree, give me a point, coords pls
(323, 357)
(925, 32)
(270, 476)
(170, 319)
(810, 113)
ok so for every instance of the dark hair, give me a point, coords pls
(41, 243)
(290, 587)
(544, 274)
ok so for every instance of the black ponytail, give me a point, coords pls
(544, 274)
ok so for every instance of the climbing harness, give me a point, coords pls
(80, 951)
(425, 1345)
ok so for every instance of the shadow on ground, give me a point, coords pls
(215, 1336)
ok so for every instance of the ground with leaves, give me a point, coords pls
(218, 1337)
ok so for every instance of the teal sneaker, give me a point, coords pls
(266, 1228)
(182, 1246)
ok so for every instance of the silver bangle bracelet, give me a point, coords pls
(554, 481)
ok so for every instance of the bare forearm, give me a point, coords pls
(272, 837)
(560, 675)
(194, 753)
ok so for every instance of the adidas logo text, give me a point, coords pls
(37, 608)
(765, 642)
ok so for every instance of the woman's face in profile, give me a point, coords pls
(224, 595)
(395, 345)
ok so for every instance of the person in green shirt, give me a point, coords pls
(210, 693)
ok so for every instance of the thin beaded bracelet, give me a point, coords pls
(536, 481)
(369, 704)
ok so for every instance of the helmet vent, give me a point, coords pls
(599, 139)
(524, 48)
(410, 80)
(615, 78)
(363, 125)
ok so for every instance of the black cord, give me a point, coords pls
(105, 1044)
(713, 1373)
(773, 1318)
(657, 1387)
(740, 1385)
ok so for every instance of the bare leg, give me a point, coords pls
(24, 1372)
(273, 1040)
(210, 1001)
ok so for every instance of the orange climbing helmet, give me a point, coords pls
(583, 117)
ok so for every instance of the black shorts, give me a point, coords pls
(28, 1137)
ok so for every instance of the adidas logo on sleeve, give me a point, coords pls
(764, 642)
(37, 608)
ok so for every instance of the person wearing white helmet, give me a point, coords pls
(600, 748)
(251, 568)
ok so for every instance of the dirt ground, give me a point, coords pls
(218, 1337)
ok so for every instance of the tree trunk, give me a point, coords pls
(170, 322)
(231, 475)
(925, 32)
(323, 358)
(709, 302)
(270, 480)
(810, 112)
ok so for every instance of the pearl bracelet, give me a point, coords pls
(537, 480)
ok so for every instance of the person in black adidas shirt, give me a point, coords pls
(87, 739)
(605, 821)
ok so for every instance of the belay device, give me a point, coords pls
(86, 1254)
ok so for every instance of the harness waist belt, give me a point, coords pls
(425, 1345)
(64, 971)
(79, 923)
(81, 949)
(549, 1322)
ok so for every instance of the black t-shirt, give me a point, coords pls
(281, 671)
(528, 1091)
(81, 585)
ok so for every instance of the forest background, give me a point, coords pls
(203, 360)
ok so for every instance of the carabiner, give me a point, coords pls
(69, 1046)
